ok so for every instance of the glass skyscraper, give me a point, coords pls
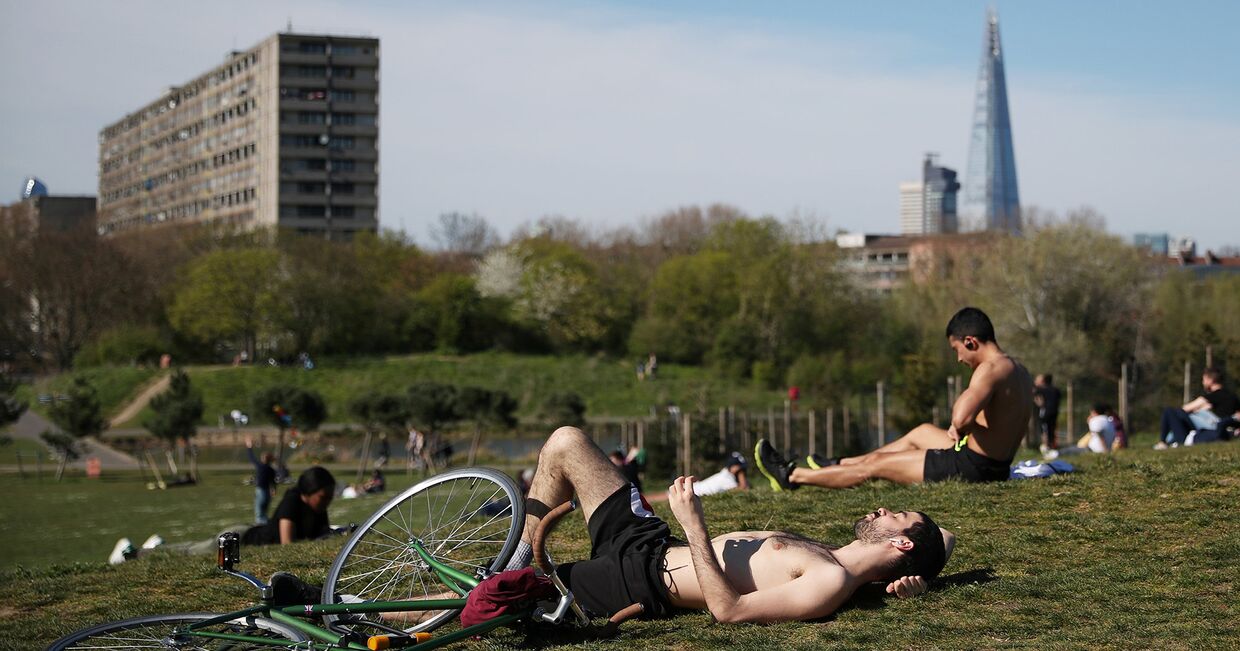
(990, 186)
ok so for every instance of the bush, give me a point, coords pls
(564, 409)
(123, 346)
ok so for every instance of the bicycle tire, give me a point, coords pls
(155, 631)
(469, 518)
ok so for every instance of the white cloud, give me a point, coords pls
(609, 116)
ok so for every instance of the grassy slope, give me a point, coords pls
(1137, 550)
(116, 386)
(608, 386)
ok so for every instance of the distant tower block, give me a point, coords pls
(990, 186)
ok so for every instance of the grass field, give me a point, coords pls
(609, 386)
(1134, 551)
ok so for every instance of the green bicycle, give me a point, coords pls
(385, 588)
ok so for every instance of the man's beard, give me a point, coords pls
(868, 532)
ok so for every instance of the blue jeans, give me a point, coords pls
(1177, 423)
(262, 499)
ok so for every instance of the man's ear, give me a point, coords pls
(901, 543)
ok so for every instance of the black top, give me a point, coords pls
(308, 524)
(264, 474)
(1223, 403)
(1050, 402)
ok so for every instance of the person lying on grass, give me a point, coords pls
(743, 576)
(989, 420)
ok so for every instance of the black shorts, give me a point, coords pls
(965, 464)
(626, 558)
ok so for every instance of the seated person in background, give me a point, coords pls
(732, 476)
(376, 484)
(1198, 421)
(301, 515)
(1099, 439)
(745, 576)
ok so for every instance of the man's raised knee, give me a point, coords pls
(562, 441)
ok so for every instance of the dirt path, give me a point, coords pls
(137, 404)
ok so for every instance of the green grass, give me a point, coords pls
(609, 386)
(1134, 551)
(116, 386)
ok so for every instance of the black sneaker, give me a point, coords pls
(773, 466)
(288, 590)
(817, 461)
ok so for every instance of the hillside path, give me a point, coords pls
(142, 400)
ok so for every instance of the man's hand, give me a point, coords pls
(685, 505)
(249, 442)
(907, 586)
(953, 434)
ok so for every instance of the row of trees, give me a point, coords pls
(756, 298)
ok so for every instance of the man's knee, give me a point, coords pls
(563, 442)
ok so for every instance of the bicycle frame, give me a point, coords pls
(324, 639)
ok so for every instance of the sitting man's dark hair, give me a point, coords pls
(1214, 374)
(971, 322)
(315, 479)
(928, 555)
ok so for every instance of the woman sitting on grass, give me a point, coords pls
(301, 515)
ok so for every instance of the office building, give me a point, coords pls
(1156, 243)
(284, 134)
(928, 206)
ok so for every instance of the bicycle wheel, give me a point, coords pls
(165, 632)
(470, 519)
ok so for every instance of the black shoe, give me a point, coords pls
(817, 461)
(773, 466)
(288, 590)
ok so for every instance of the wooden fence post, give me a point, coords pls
(1123, 397)
(830, 432)
(811, 432)
(1071, 434)
(882, 415)
(1188, 382)
(770, 425)
(723, 432)
(787, 427)
(687, 429)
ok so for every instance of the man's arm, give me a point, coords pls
(809, 596)
(972, 400)
(1197, 405)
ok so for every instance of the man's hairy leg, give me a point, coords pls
(907, 467)
(922, 437)
(569, 463)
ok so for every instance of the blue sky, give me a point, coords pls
(615, 112)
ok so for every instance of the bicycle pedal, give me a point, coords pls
(378, 642)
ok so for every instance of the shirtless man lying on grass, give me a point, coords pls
(744, 576)
(988, 422)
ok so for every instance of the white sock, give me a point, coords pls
(521, 558)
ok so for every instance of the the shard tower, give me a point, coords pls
(990, 186)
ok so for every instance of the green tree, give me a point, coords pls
(566, 408)
(78, 414)
(450, 315)
(432, 405)
(378, 413)
(175, 412)
(286, 407)
(229, 295)
(484, 408)
(11, 408)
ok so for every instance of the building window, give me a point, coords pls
(342, 188)
(343, 96)
(342, 142)
(312, 48)
(343, 165)
(344, 50)
(343, 211)
(344, 72)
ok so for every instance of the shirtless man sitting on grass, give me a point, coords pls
(745, 576)
(988, 422)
